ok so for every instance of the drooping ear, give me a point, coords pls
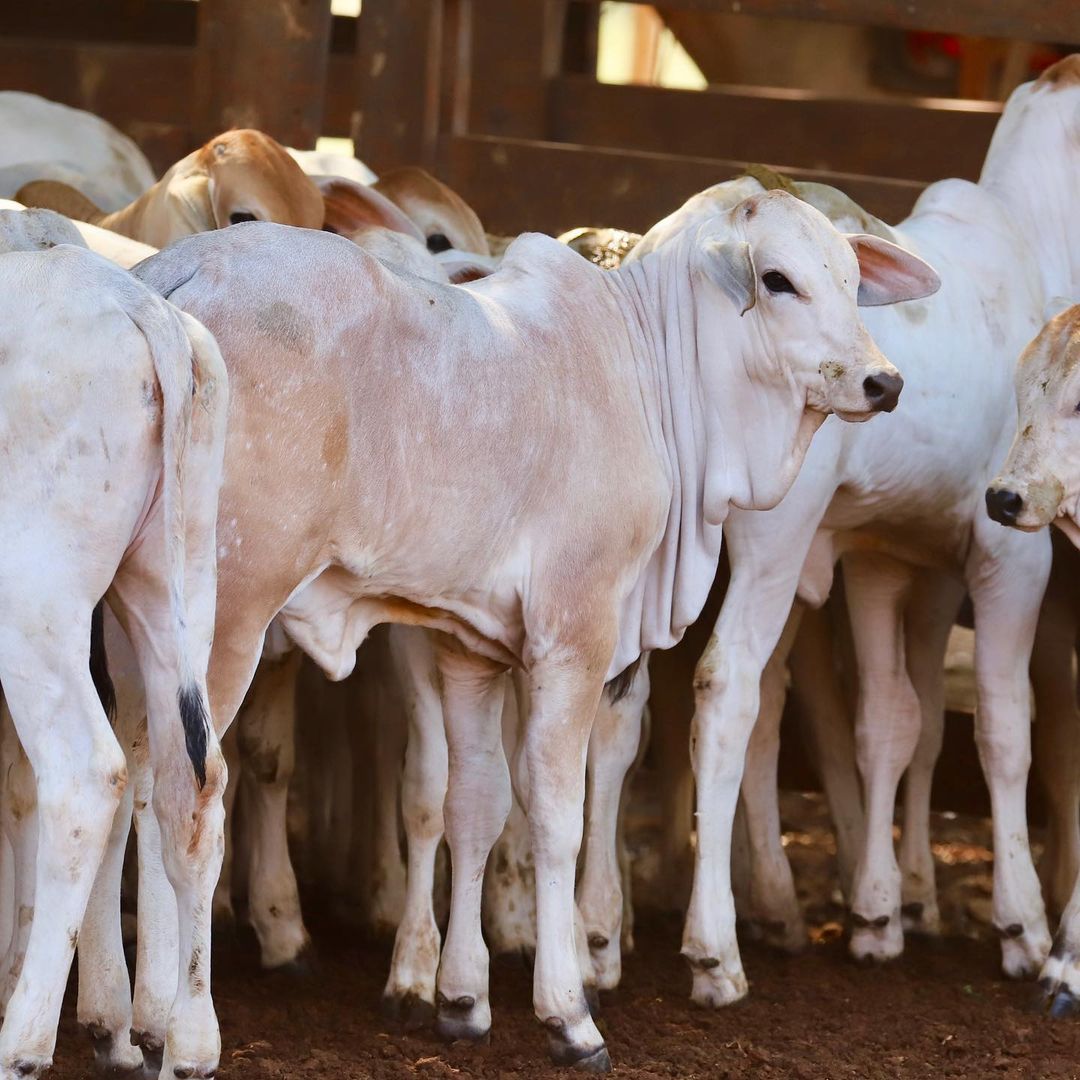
(353, 207)
(888, 273)
(731, 266)
(64, 199)
(463, 266)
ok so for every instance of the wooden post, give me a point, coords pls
(263, 65)
(399, 64)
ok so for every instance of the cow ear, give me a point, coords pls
(731, 266)
(464, 266)
(888, 273)
(352, 207)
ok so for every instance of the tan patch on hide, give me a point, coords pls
(335, 445)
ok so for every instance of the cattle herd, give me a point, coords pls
(268, 402)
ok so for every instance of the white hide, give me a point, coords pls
(913, 482)
(44, 140)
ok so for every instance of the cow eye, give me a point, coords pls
(241, 215)
(437, 242)
(775, 282)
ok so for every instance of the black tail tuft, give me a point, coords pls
(99, 663)
(619, 687)
(196, 722)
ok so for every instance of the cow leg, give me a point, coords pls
(1006, 577)
(613, 748)
(390, 884)
(766, 566)
(224, 912)
(826, 712)
(935, 600)
(80, 774)
(266, 741)
(409, 996)
(564, 693)
(887, 721)
(477, 803)
(509, 887)
(1057, 743)
(774, 904)
(21, 828)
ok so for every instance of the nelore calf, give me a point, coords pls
(537, 465)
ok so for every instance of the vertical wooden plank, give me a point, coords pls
(263, 65)
(399, 60)
(517, 48)
(456, 75)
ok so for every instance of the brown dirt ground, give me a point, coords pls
(943, 1010)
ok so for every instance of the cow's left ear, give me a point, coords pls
(888, 273)
(731, 266)
(352, 207)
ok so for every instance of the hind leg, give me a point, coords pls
(410, 990)
(928, 621)
(613, 749)
(266, 743)
(80, 774)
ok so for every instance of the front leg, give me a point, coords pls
(767, 553)
(1007, 573)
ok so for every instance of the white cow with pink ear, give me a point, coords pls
(898, 500)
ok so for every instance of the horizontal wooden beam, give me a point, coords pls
(143, 89)
(903, 138)
(518, 184)
(1024, 20)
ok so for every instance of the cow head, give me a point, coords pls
(1040, 481)
(251, 177)
(442, 215)
(797, 284)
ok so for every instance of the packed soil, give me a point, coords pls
(942, 1010)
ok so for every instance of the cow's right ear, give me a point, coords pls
(731, 266)
(352, 207)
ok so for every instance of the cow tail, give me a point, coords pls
(174, 361)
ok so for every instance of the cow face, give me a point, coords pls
(1040, 481)
(798, 282)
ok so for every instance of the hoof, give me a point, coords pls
(112, 1056)
(409, 1011)
(1023, 952)
(462, 1018)
(30, 1066)
(153, 1051)
(714, 985)
(1063, 1005)
(583, 1058)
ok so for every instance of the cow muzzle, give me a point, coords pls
(883, 390)
(1004, 506)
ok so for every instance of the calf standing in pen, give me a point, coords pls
(112, 424)
(898, 501)
(406, 452)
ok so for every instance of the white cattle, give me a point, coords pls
(512, 477)
(46, 228)
(897, 500)
(44, 140)
(1039, 485)
(113, 425)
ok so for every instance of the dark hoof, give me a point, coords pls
(410, 1012)
(528, 957)
(1061, 1005)
(591, 1061)
(302, 966)
(152, 1051)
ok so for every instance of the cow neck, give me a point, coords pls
(705, 445)
(1031, 168)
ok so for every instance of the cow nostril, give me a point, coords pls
(1003, 506)
(883, 391)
